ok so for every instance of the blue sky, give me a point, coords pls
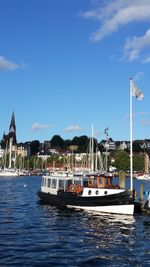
(65, 65)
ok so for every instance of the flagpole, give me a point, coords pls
(92, 163)
(131, 138)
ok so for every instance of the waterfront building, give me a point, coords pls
(21, 151)
(46, 146)
(123, 146)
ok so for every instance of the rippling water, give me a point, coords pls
(32, 234)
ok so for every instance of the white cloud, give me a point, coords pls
(114, 14)
(37, 126)
(135, 45)
(73, 128)
(8, 65)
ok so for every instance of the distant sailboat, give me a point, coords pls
(8, 171)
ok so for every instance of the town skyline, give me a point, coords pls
(12, 134)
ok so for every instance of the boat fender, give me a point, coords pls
(72, 188)
(79, 188)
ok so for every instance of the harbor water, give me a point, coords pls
(33, 234)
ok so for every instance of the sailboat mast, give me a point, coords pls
(10, 151)
(92, 151)
(106, 145)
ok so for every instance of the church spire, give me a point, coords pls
(12, 129)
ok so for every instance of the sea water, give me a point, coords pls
(33, 234)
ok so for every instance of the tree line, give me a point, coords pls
(80, 145)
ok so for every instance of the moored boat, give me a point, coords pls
(94, 192)
(8, 172)
(143, 176)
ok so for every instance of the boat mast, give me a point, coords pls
(106, 144)
(92, 151)
(5, 155)
(10, 151)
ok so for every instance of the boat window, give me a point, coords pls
(90, 182)
(107, 181)
(61, 184)
(49, 183)
(95, 182)
(43, 182)
(89, 192)
(97, 192)
(77, 182)
(68, 183)
(54, 183)
(85, 182)
(100, 181)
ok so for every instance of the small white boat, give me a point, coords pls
(144, 176)
(8, 172)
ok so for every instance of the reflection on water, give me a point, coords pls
(32, 234)
(107, 239)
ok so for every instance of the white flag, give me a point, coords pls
(136, 91)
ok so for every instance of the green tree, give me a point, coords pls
(35, 147)
(31, 162)
(57, 141)
(101, 148)
(122, 161)
(136, 147)
(138, 163)
(82, 143)
(67, 143)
